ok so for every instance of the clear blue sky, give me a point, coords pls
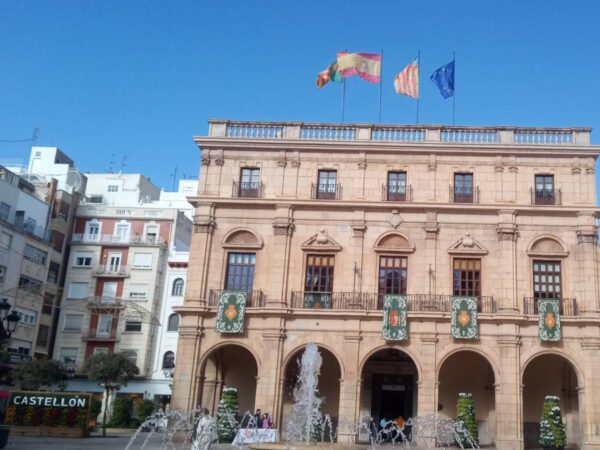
(140, 78)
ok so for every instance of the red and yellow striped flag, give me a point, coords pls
(407, 81)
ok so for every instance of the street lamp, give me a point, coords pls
(8, 321)
(169, 371)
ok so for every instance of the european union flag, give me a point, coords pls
(443, 78)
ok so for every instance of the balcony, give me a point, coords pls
(396, 193)
(79, 238)
(106, 270)
(247, 189)
(101, 335)
(254, 299)
(567, 306)
(374, 301)
(546, 197)
(326, 191)
(464, 194)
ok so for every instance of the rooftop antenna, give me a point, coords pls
(174, 175)
(35, 136)
(123, 163)
(110, 163)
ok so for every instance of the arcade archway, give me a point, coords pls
(469, 372)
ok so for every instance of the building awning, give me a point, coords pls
(147, 388)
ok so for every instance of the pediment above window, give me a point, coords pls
(394, 242)
(242, 238)
(467, 245)
(321, 242)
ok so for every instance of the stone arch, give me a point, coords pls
(395, 242)
(560, 353)
(330, 377)
(554, 373)
(455, 349)
(547, 245)
(398, 347)
(230, 364)
(469, 370)
(242, 237)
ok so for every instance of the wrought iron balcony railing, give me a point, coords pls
(106, 270)
(396, 193)
(546, 197)
(568, 306)
(247, 189)
(101, 335)
(254, 299)
(117, 240)
(464, 194)
(326, 191)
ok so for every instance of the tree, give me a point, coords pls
(226, 415)
(552, 428)
(465, 418)
(110, 370)
(144, 409)
(36, 373)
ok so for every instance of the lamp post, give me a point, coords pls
(8, 320)
(169, 371)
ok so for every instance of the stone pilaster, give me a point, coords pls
(349, 390)
(268, 390)
(506, 289)
(278, 265)
(509, 394)
(589, 409)
(585, 276)
(427, 385)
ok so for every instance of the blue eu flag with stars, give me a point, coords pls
(443, 78)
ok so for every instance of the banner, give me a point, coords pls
(549, 319)
(464, 318)
(230, 313)
(317, 300)
(394, 318)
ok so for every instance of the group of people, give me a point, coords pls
(390, 427)
(262, 420)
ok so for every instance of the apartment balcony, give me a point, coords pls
(546, 196)
(326, 191)
(151, 241)
(98, 335)
(254, 299)
(567, 306)
(396, 193)
(106, 270)
(374, 301)
(247, 189)
(464, 194)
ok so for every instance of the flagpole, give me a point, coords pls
(419, 81)
(343, 98)
(454, 93)
(380, 83)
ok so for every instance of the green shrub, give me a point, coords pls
(226, 415)
(465, 418)
(144, 409)
(122, 413)
(95, 408)
(552, 428)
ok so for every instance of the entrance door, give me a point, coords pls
(114, 262)
(104, 326)
(392, 396)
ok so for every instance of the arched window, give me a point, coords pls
(168, 360)
(173, 324)
(177, 287)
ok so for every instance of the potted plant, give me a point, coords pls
(552, 428)
(467, 434)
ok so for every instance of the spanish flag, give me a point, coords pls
(365, 65)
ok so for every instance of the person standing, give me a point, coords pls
(266, 421)
(257, 419)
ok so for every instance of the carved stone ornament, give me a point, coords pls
(219, 161)
(590, 170)
(281, 163)
(468, 241)
(322, 237)
(499, 168)
(283, 228)
(295, 164)
(362, 165)
(205, 161)
(395, 220)
(575, 170)
(359, 230)
(513, 169)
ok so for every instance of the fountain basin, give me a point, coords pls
(305, 445)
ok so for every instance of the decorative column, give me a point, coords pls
(509, 393)
(506, 290)
(268, 390)
(585, 273)
(349, 390)
(279, 258)
(589, 393)
(427, 385)
(200, 255)
(187, 380)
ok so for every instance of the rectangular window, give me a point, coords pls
(2, 273)
(73, 322)
(4, 211)
(463, 188)
(138, 291)
(151, 232)
(83, 259)
(53, 272)
(109, 289)
(132, 325)
(396, 188)
(113, 188)
(142, 260)
(104, 325)
(121, 232)
(249, 182)
(79, 290)
(35, 255)
(319, 273)
(42, 337)
(240, 271)
(26, 316)
(131, 355)
(92, 232)
(19, 348)
(48, 304)
(393, 276)
(546, 279)
(68, 355)
(467, 277)
(327, 184)
(5, 240)
(100, 351)
(30, 284)
(544, 190)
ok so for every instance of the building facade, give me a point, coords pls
(318, 223)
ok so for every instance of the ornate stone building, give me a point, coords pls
(318, 222)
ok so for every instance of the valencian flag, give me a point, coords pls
(443, 78)
(230, 312)
(329, 74)
(463, 324)
(394, 318)
(549, 320)
(407, 81)
(365, 65)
